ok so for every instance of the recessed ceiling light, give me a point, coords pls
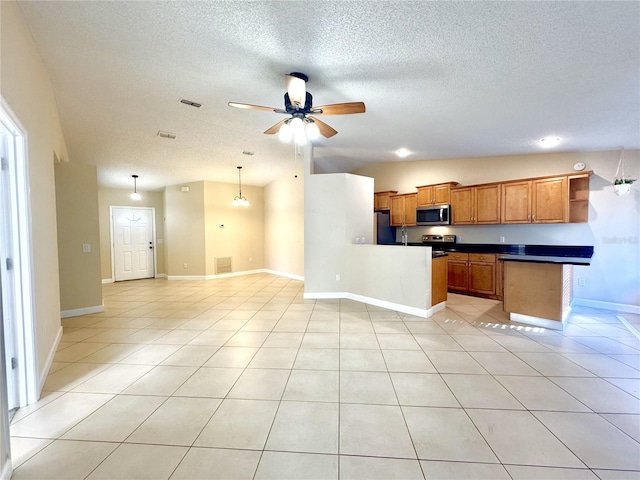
(402, 152)
(548, 142)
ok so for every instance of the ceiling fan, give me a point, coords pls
(298, 103)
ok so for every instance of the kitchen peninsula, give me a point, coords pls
(535, 282)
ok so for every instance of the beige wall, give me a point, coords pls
(614, 222)
(115, 197)
(26, 87)
(242, 237)
(284, 225)
(184, 230)
(77, 218)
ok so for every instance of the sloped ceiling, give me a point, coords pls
(443, 79)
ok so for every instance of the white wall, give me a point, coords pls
(390, 276)
(613, 228)
(337, 208)
(284, 225)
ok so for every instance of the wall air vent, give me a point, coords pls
(223, 265)
(162, 134)
(190, 103)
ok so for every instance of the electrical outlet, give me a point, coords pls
(184, 265)
(338, 277)
(501, 239)
(86, 247)
(582, 282)
(250, 259)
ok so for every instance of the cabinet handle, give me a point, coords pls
(533, 218)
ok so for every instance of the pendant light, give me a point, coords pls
(135, 195)
(240, 200)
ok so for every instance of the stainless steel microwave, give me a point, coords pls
(433, 215)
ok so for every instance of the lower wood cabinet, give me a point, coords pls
(473, 273)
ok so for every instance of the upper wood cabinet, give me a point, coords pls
(439, 194)
(478, 205)
(382, 200)
(403, 209)
(541, 200)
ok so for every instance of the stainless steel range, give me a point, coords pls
(439, 242)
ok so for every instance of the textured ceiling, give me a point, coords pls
(443, 79)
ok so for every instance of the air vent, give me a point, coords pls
(247, 152)
(162, 134)
(190, 103)
(223, 265)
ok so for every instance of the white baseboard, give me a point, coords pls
(47, 366)
(537, 321)
(161, 275)
(616, 307)
(232, 274)
(107, 280)
(81, 311)
(285, 274)
(632, 328)
(7, 471)
(418, 312)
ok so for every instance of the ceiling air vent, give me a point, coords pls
(190, 103)
(247, 152)
(162, 134)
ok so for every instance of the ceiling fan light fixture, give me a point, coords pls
(296, 88)
(285, 135)
(135, 195)
(312, 130)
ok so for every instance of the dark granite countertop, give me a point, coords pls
(545, 259)
(575, 251)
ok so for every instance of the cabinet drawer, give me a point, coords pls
(458, 257)
(482, 257)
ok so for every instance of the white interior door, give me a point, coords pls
(7, 270)
(133, 242)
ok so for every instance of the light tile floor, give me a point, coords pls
(243, 378)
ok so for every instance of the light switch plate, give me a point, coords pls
(86, 247)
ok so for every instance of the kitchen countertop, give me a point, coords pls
(545, 259)
(578, 252)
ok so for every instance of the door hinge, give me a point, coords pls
(4, 163)
(9, 264)
(14, 363)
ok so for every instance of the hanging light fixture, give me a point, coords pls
(135, 195)
(240, 200)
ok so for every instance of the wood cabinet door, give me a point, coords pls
(550, 200)
(397, 211)
(487, 204)
(425, 196)
(482, 278)
(516, 202)
(379, 200)
(462, 206)
(438, 280)
(442, 194)
(410, 204)
(457, 276)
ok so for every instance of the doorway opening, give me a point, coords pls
(16, 278)
(133, 233)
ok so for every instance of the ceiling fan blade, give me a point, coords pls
(296, 88)
(326, 131)
(248, 106)
(276, 127)
(339, 109)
